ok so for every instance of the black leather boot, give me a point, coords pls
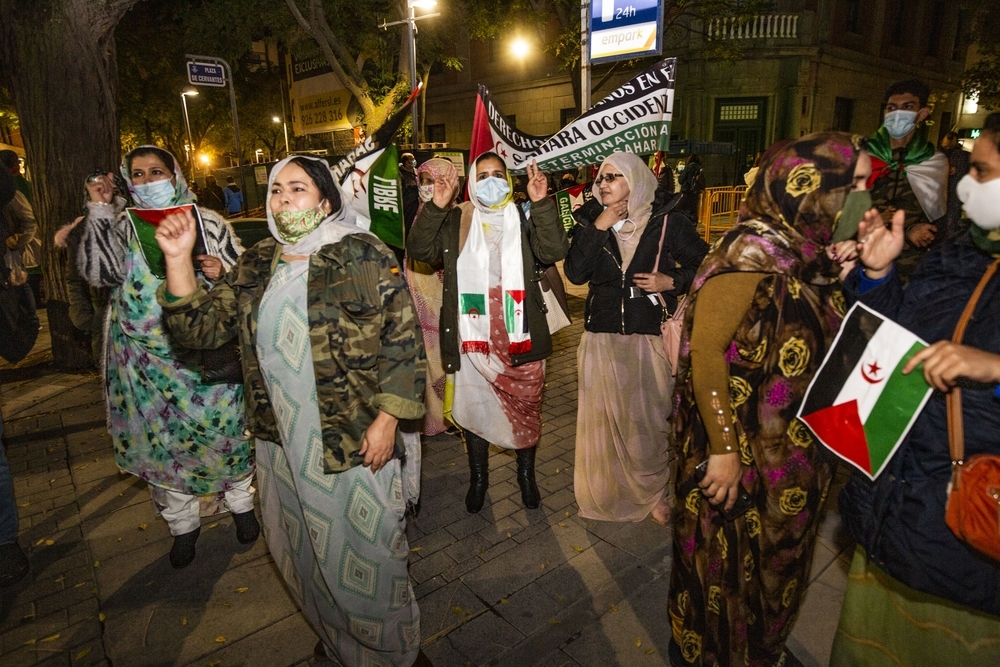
(479, 471)
(526, 477)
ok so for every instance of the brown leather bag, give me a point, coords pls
(973, 510)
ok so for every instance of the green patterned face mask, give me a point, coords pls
(293, 226)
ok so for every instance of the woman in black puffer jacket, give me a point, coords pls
(625, 380)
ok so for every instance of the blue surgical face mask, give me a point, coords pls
(158, 194)
(493, 190)
(900, 123)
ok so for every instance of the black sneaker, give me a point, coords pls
(13, 564)
(182, 553)
(247, 527)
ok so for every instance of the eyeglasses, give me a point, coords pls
(608, 178)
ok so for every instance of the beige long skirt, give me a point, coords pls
(622, 449)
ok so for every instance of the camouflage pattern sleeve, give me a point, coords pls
(402, 363)
(202, 320)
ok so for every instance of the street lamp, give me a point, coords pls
(189, 91)
(520, 48)
(411, 39)
(285, 126)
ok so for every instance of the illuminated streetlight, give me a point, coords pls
(285, 126)
(411, 38)
(188, 92)
(520, 48)
(205, 160)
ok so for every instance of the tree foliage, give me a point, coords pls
(983, 77)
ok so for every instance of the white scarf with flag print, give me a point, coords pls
(474, 278)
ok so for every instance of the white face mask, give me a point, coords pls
(981, 201)
(425, 192)
(900, 123)
(158, 194)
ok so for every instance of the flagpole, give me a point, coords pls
(584, 56)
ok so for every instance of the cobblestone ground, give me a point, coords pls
(507, 586)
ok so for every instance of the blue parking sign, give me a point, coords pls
(625, 29)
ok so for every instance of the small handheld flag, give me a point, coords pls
(859, 404)
(145, 222)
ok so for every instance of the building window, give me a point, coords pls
(854, 16)
(961, 28)
(843, 114)
(900, 20)
(730, 112)
(435, 134)
(937, 21)
(566, 116)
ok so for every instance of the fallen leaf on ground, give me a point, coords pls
(561, 524)
(212, 525)
(638, 642)
(458, 611)
(650, 651)
(215, 663)
(142, 526)
(578, 549)
(227, 604)
(49, 543)
(555, 621)
(220, 640)
(97, 563)
(557, 471)
(60, 579)
(504, 600)
(242, 589)
(81, 584)
(50, 638)
(566, 513)
(39, 542)
(416, 549)
(30, 642)
(101, 617)
(508, 533)
(82, 654)
(613, 607)
(184, 620)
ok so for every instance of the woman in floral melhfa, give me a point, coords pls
(765, 306)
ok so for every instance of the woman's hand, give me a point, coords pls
(878, 245)
(844, 253)
(379, 441)
(921, 234)
(211, 267)
(446, 187)
(177, 234)
(538, 185)
(611, 215)
(102, 189)
(722, 481)
(654, 282)
(945, 362)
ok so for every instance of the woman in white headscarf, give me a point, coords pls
(494, 336)
(625, 379)
(333, 360)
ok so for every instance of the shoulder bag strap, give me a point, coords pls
(953, 399)
(656, 263)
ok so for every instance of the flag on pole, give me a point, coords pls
(859, 404)
(369, 178)
(569, 200)
(634, 118)
(145, 222)
(491, 131)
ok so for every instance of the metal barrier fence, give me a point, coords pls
(719, 208)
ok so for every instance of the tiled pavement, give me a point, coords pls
(505, 587)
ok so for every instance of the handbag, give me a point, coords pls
(672, 325)
(973, 509)
(18, 322)
(223, 365)
(554, 296)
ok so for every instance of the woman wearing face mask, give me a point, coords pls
(764, 307)
(185, 438)
(494, 337)
(622, 452)
(333, 360)
(917, 595)
(426, 283)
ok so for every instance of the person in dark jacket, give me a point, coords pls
(917, 595)
(625, 380)
(212, 196)
(692, 182)
(494, 336)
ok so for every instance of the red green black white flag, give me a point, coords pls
(145, 222)
(859, 404)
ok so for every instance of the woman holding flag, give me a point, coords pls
(917, 595)
(764, 307)
(183, 437)
(494, 336)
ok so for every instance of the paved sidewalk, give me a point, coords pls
(504, 587)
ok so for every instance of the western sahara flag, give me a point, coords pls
(145, 222)
(634, 118)
(491, 131)
(369, 179)
(569, 200)
(859, 404)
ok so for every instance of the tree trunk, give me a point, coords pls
(59, 59)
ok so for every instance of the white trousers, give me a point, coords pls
(183, 514)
